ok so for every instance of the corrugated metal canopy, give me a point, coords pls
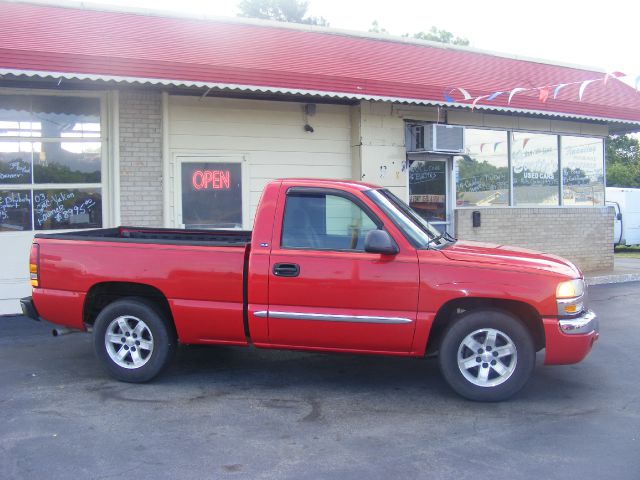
(73, 43)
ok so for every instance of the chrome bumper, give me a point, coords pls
(585, 323)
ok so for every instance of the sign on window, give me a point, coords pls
(211, 195)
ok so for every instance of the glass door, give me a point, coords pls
(429, 189)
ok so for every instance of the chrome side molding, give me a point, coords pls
(325, 317)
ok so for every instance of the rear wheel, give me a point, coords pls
(487, 355)
(133, 340)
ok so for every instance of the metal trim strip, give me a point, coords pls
(325, 317)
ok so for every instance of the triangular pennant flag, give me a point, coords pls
(544, 94)
(514, 91)
(584, 85)
(447, 97)
(473, 105)
(494, 96)
(613, 75)
(524, 143)
(495, 146)
(464, 92)
(482, 147)
(558, 88)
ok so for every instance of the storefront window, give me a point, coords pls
(47, 140)
(482, 173)
(534, 160)
(582, 171)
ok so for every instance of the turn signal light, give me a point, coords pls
(34, 259)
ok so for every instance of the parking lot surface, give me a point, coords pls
(223, 412)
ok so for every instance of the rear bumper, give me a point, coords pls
(29, 309)
(570, 340)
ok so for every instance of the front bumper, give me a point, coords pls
(585, 323)
(570, 340)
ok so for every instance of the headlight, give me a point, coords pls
(570, 289)
(570, 297)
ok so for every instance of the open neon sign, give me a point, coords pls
(211, 179)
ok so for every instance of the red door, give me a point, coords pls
(325, 291)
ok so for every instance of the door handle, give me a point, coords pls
(286, 269)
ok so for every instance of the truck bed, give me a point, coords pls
(170, 236)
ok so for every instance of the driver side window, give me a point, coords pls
(324, 222)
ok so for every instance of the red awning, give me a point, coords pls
(263, 56)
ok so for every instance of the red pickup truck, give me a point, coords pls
(334, 266)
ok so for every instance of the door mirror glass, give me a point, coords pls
(379, 241)
(619, 216)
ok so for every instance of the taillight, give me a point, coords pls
(34, 264)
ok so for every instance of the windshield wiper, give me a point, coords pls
(446, 235)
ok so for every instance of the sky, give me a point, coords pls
(602, 35)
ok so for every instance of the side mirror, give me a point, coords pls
(619, 216)
(379, 241)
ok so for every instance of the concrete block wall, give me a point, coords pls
(140, 130)
(583, 235)
(380, 147)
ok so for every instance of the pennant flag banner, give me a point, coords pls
(583, 87)
(473, 105)
(514, 91)
(543, 92)
(558, 88)
(495, 146)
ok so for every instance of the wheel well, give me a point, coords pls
(102, 294)
(523, 311)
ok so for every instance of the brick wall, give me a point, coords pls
(141, 158)
(582, 235)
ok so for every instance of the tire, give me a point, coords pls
(487, 355)
(133, 340)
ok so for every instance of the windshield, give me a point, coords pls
(417, 230)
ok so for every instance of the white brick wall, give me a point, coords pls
(141, 158)
(582, 235)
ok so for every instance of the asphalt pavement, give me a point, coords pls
(222, 412)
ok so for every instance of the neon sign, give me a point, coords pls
(211, 179)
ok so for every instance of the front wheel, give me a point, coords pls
(487, 355)
(133, 340)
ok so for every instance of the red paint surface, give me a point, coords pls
(66, 40)
(204, 285)
(563, 349)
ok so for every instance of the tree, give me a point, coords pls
(434, 34)
(623, 161)
(293, 11)
(438, 35)
(376, 28)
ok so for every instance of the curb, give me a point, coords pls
(613, 278)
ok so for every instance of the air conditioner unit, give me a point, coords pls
(437, 138)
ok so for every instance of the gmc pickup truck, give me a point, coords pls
(334, 266)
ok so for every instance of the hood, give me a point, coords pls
(510, 257)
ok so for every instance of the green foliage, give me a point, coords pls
(434, 34)
(623, 161)
(55, 173)
(293, 11)
(376, 28)
(443, 36)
